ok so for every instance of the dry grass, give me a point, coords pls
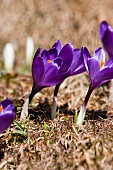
(59, 144)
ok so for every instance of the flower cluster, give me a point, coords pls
(51, 67)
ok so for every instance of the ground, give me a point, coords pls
(39, 143)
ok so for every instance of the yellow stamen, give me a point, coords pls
(1, 108)
(49, 61)
(101, 64)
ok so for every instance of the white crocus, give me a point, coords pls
(29, 50)
(8, 57)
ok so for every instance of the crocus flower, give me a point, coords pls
(74, 63)
(7, 112)
(8, 57)
(49, 68)
(106, 36)
(99, 73)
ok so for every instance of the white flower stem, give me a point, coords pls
(81, 115)
(83, 108)
(54, 107)
(24, 113)
(54, 104)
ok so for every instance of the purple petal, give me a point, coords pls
(79, 70)
(57, 79)
(41, 80)
(36, 54)
(45, 56)
(67, 56)
(86, 55)
(109, 63)
(53, 53)
(103, 28)
(38, 70)
(106, 36)
(48, 65)
(7, 114)
(93, 67)
(58, 46)
(58, 61)
(103, 76)
(77, 62)
(99, 54)
(50, 72)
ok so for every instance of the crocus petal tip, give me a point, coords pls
(7, 112)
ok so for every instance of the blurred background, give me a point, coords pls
(75, 21)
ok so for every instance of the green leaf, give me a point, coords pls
(75, 117)
(45, 126)
(19, 125)
(21, 132)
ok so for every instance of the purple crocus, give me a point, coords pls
(7, 112)
(106, 36)
(49, 67)
(73, 63)
(99, 73)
